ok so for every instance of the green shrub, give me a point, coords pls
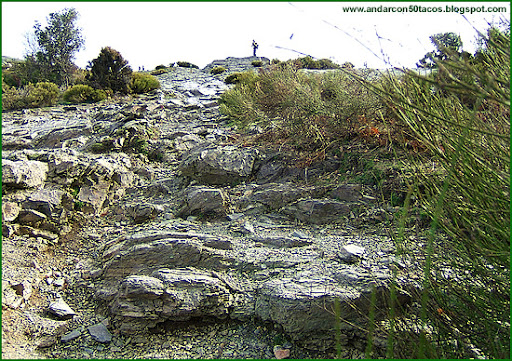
(81, 93)
(161, 66)
(245, 77)
(110, 71)
(159, 71)
(308, 62)
(143, 83)
(257, 63)
(42, 94)
(186, 64)
(218, 70)
(311, 110)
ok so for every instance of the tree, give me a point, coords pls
(110, 71)
(447, 44)
(57, 44)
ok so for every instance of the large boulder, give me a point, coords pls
(177, 294)
(155, 276)
(204, 202)
(219, 165)
(24, 173)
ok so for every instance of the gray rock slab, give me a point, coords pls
(318, 211)
(218, 165)
(100, 333)
(70, 336)
(203, 201)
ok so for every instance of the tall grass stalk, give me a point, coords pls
(461, 114)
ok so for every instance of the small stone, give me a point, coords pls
(234, 216)
(280, 352)
(61, 309)
(71, 336)
(36, 265)
(299, 234)
(247, 228)
(100, 333)
(47, 341)
(59, 283)
(95, 273)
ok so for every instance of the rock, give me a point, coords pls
(280, 242)
(30, 216)
(10, 297)
(34, 232)
(142, 212)
(219, 244)
(66, 165)
(280, 352)
(187, 142)
(204, 202)
(350, 253)
(93, 197)
(10, 211)
(272, 195)
(24, 174)
(47, 341)
(23, 289)
(213, 165)
(100, 333)
(61, 309)
(299, 234)
(47, 201)
(318, 211)
(166, 154)
(177, 295)
(71, 336)
(42, 326)
(347, 192)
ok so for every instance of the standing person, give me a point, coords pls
(254, 47)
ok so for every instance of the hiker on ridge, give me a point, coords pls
(254, 47)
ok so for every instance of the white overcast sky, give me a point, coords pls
(152, 33)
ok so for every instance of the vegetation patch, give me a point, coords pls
(186, 64)
(143, 83)
(218, 70)
(81, 93)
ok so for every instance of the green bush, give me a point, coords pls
(42, 94)
(186, 64)
(308, 62)
(257, 63)
(143, 83)
(218, 70)
(312, 110)
(245, 77)
(81, 93)
(161, 66)
(110, 71)
(159, 71)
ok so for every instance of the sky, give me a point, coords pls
(159, 33)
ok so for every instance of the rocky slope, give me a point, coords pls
(144, 228)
